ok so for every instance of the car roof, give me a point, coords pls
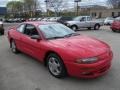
(36, 23)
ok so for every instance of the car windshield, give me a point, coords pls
(54, 31)
(77, 18)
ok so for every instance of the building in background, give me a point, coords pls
(103, 13)
(97, 11)
(3, 11)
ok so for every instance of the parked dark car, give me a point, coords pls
(64, 19)
(1, 28)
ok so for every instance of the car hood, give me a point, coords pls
(81, 46)
(71, 22)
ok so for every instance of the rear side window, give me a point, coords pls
(21, 28)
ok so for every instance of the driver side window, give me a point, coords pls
(30, 30)
(83, 19)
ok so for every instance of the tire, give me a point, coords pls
(74, 27)
(97, 27)
(113, 30)
(56, 66)
(89, 28)
(2, 33)
(13, 47)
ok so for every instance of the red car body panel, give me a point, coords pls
(115, 25)
(69, 49)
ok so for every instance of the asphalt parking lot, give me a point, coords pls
(21, 72)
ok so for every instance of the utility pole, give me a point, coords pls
(77, 3)
(47, 1)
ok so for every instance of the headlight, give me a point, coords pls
(87, 60)
(68, 24)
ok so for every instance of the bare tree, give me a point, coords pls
(114, 3)
(56, 5)
(31, 6)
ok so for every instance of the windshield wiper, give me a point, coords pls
(55, 37)
(68, 35)
(71, 34)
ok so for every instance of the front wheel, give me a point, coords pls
(89, 28)
(113, 30)
(56, 66)
(97, 27)
(2, 33)
(74, 27)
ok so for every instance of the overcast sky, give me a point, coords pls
(71, 2)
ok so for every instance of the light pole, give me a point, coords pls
(47, 1)
(77, 2)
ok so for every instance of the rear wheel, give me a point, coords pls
(89, 28)
(56, 66)
(113, 30)
(2, 32)
(13, 47)
(97, 27)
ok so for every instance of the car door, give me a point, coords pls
(31, 46)
(82, 22)
(89, 22)
(17, 35)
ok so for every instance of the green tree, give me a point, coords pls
(56, 5)
(26, 8)
(15, 7)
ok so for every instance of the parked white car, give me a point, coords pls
(109, 21)
(84, 22)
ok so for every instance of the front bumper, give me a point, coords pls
(89, 70)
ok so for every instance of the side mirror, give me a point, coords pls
(37, 37)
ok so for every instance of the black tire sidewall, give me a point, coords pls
(2, 32)
(96, 26)
(113, 30)
(89, 28)
(74, 27)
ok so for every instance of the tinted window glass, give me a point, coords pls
(30, 30)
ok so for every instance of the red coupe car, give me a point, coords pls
(116, 25)
(62, 50)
